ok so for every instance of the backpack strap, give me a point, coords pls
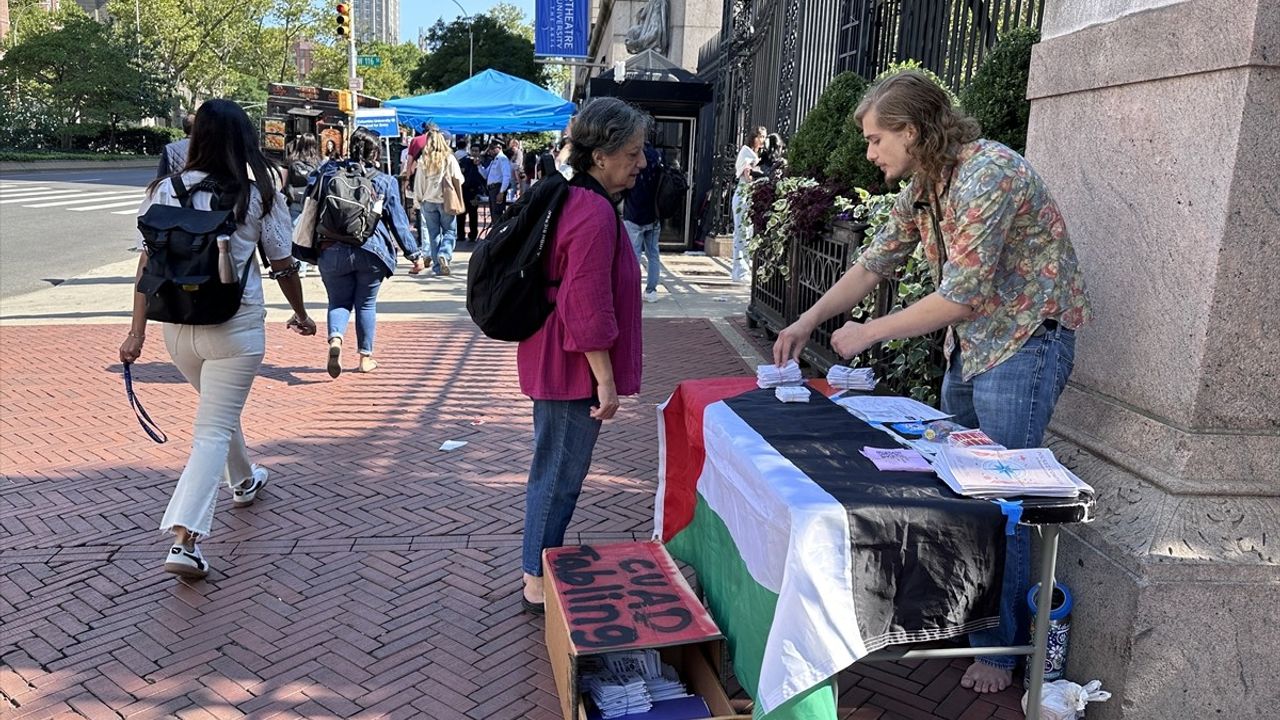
(180, 190)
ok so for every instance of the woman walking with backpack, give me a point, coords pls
(225, 170)
(352, 267)
(437, 171)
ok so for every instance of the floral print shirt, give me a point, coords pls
(1007, 254)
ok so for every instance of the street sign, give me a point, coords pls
(380, 120)
(356, 84)
(368, 61)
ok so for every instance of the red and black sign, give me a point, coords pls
(624, 596)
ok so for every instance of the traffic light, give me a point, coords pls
(343, 20)
(344, 102)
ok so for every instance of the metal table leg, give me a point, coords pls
(1044, 604)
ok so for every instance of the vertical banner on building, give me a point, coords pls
(561, 28)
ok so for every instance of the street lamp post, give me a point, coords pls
(471, 39)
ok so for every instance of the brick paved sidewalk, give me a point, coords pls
(375, 577)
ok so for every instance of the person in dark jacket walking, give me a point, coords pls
(472, 187)
(173, 158)
(640, 216)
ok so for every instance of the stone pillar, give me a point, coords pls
(1157, 126)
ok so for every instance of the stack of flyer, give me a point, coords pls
(768, 375)
(637, 684)
(843, 377)
(996, 473)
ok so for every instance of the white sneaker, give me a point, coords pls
(186, 563)
(246, 492)
(651, 296)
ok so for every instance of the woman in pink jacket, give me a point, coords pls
(588, 353)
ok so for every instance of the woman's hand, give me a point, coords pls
(302, 326)
(418, 266)
(608, 407)
(131, 348)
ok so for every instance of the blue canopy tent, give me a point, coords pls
(491, 102)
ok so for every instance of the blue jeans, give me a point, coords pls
(351, 278)
(1012, 403)
(564, 435)
(644, 238)
(437, 229)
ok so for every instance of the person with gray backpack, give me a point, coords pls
(359, 216)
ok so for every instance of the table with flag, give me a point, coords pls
(808, 556)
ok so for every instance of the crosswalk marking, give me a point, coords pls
(130, 211)
(104, 206)
(25, 191)
(35, 197)
(94, 197)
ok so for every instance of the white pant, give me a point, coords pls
(220, 361)
(741, 234)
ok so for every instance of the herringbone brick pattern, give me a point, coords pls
(376, 576)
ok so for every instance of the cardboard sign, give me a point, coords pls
(625, 596)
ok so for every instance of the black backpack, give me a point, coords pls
(350, 206)
(671, 189)
(506, 282)
(180, 280)
(296, 184)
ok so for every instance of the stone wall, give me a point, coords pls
(1157, 126)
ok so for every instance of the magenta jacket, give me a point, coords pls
(597, 305)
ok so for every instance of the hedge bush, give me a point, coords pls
(997, 95)
(847, 164)
(821, 131)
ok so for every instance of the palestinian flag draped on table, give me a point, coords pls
(808, 556)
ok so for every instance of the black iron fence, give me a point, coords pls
(773, 58)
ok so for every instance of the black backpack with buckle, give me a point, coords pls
(180, 279)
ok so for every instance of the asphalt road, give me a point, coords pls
(55, 225)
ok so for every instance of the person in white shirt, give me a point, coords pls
(744, 169)
(498, 178)
(221, 361)
(436, 226)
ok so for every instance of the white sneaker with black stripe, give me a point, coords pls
(246, 492)
(186, 563)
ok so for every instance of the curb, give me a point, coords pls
(16, 166)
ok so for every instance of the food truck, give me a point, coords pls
(293, 110)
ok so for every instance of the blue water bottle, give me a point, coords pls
(1055, 660)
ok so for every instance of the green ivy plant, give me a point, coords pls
(769, 247)
(912, 366)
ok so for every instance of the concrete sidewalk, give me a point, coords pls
(377, 576)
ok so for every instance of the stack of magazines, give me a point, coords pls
(996, 473)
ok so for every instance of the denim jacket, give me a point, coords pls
(394, 224)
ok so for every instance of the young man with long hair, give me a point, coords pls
(1009, 291)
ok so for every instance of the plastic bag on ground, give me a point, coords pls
(1065, 700)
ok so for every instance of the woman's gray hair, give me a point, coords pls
(604, 124)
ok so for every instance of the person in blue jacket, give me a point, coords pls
(352, 274)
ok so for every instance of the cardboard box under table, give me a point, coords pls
(628, 596)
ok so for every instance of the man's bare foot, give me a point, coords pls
(533, 589)
(983, 678)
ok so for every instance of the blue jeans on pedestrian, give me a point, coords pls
(1012, 403)
(351, 278)
(644, 238)
(564, 435)
(437, 229)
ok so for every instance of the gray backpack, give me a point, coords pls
(350, 205)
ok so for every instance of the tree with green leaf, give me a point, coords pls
(997, 95)
(85, 75)
(496, 47)
(389, 80)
